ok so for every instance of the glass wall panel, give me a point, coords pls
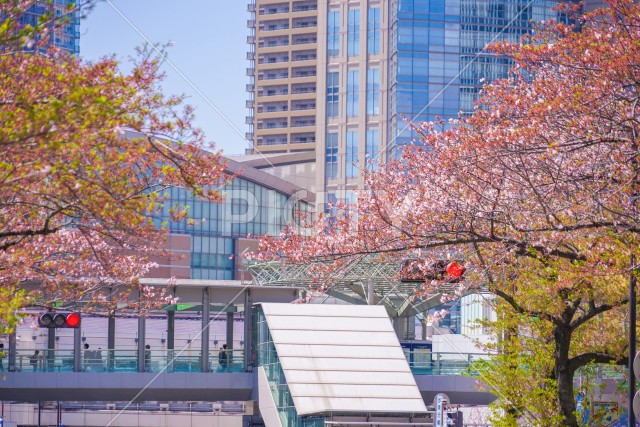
(353, 35)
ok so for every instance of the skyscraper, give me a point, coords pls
(403, 60)
(282, 55)
(62, 33)
(376, 64)
(380, 64)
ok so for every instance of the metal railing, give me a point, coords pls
(124, 361)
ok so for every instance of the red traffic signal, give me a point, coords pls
(59, 320)
(455, 270)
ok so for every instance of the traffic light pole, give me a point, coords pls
(632, 341)
(12, 351)
(51, 345)
(77, 342)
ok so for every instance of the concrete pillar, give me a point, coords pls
(12, 352)
(230, 331)
(204, 338)
(400, 326)
(411, 327)
(371, 295)
(141, 341)
(248, 331)
(111, 341)
(77, 353)
(171, 333)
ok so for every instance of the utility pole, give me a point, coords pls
(632, 341)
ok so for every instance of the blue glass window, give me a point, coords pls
(373, 140)
(352, 93)
(373, 31)
(351, 171)
(332, 94)
(333, 33)
(373, 91)
(353, 34)
(331, 156)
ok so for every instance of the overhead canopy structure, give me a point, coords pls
(342, 359)
(352, 284)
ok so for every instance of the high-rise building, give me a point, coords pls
(387, 62)
(62, 26)
(283, 61)
(376, 64)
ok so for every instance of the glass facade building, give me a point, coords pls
(381, 63)
(438, 58)
(64, 35)
(249, 209)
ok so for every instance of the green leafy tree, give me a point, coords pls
(88, 153)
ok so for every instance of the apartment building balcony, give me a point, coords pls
(303, 139)
(266, 44)
(272, 113)
(251, 23)
(274, 9)
(248, 136)
(271, 26)
(306, 40)
(250, 71)
(248, 120)
(297, 23)
(249, 103)
(302, 13)
(272, 60)
(251, 7)
(250, 88)
(251, 39)
(304, 6)
(272, 140)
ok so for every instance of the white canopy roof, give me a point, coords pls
(342, 358)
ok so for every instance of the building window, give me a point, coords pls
(352, 93)
(353, 34)
(351, 171)
(373, 31)
(373, 92)
(331, 156)
(371, 154)
(332, 94)
(333, 34)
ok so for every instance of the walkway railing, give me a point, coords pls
(424, 362)
(123, 361)
(421, 362)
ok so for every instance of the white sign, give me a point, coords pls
(440, 401)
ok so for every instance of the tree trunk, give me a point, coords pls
(566, 399)
(564, 377)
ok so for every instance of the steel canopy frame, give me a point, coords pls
(350, 284)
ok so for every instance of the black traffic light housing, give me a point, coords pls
(441, 270)
(59, 320)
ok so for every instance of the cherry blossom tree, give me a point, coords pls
(88, 154)
(537, 191)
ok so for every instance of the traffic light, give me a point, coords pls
(442, 270)
(59, 320)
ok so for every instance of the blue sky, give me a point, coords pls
(209, 49)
